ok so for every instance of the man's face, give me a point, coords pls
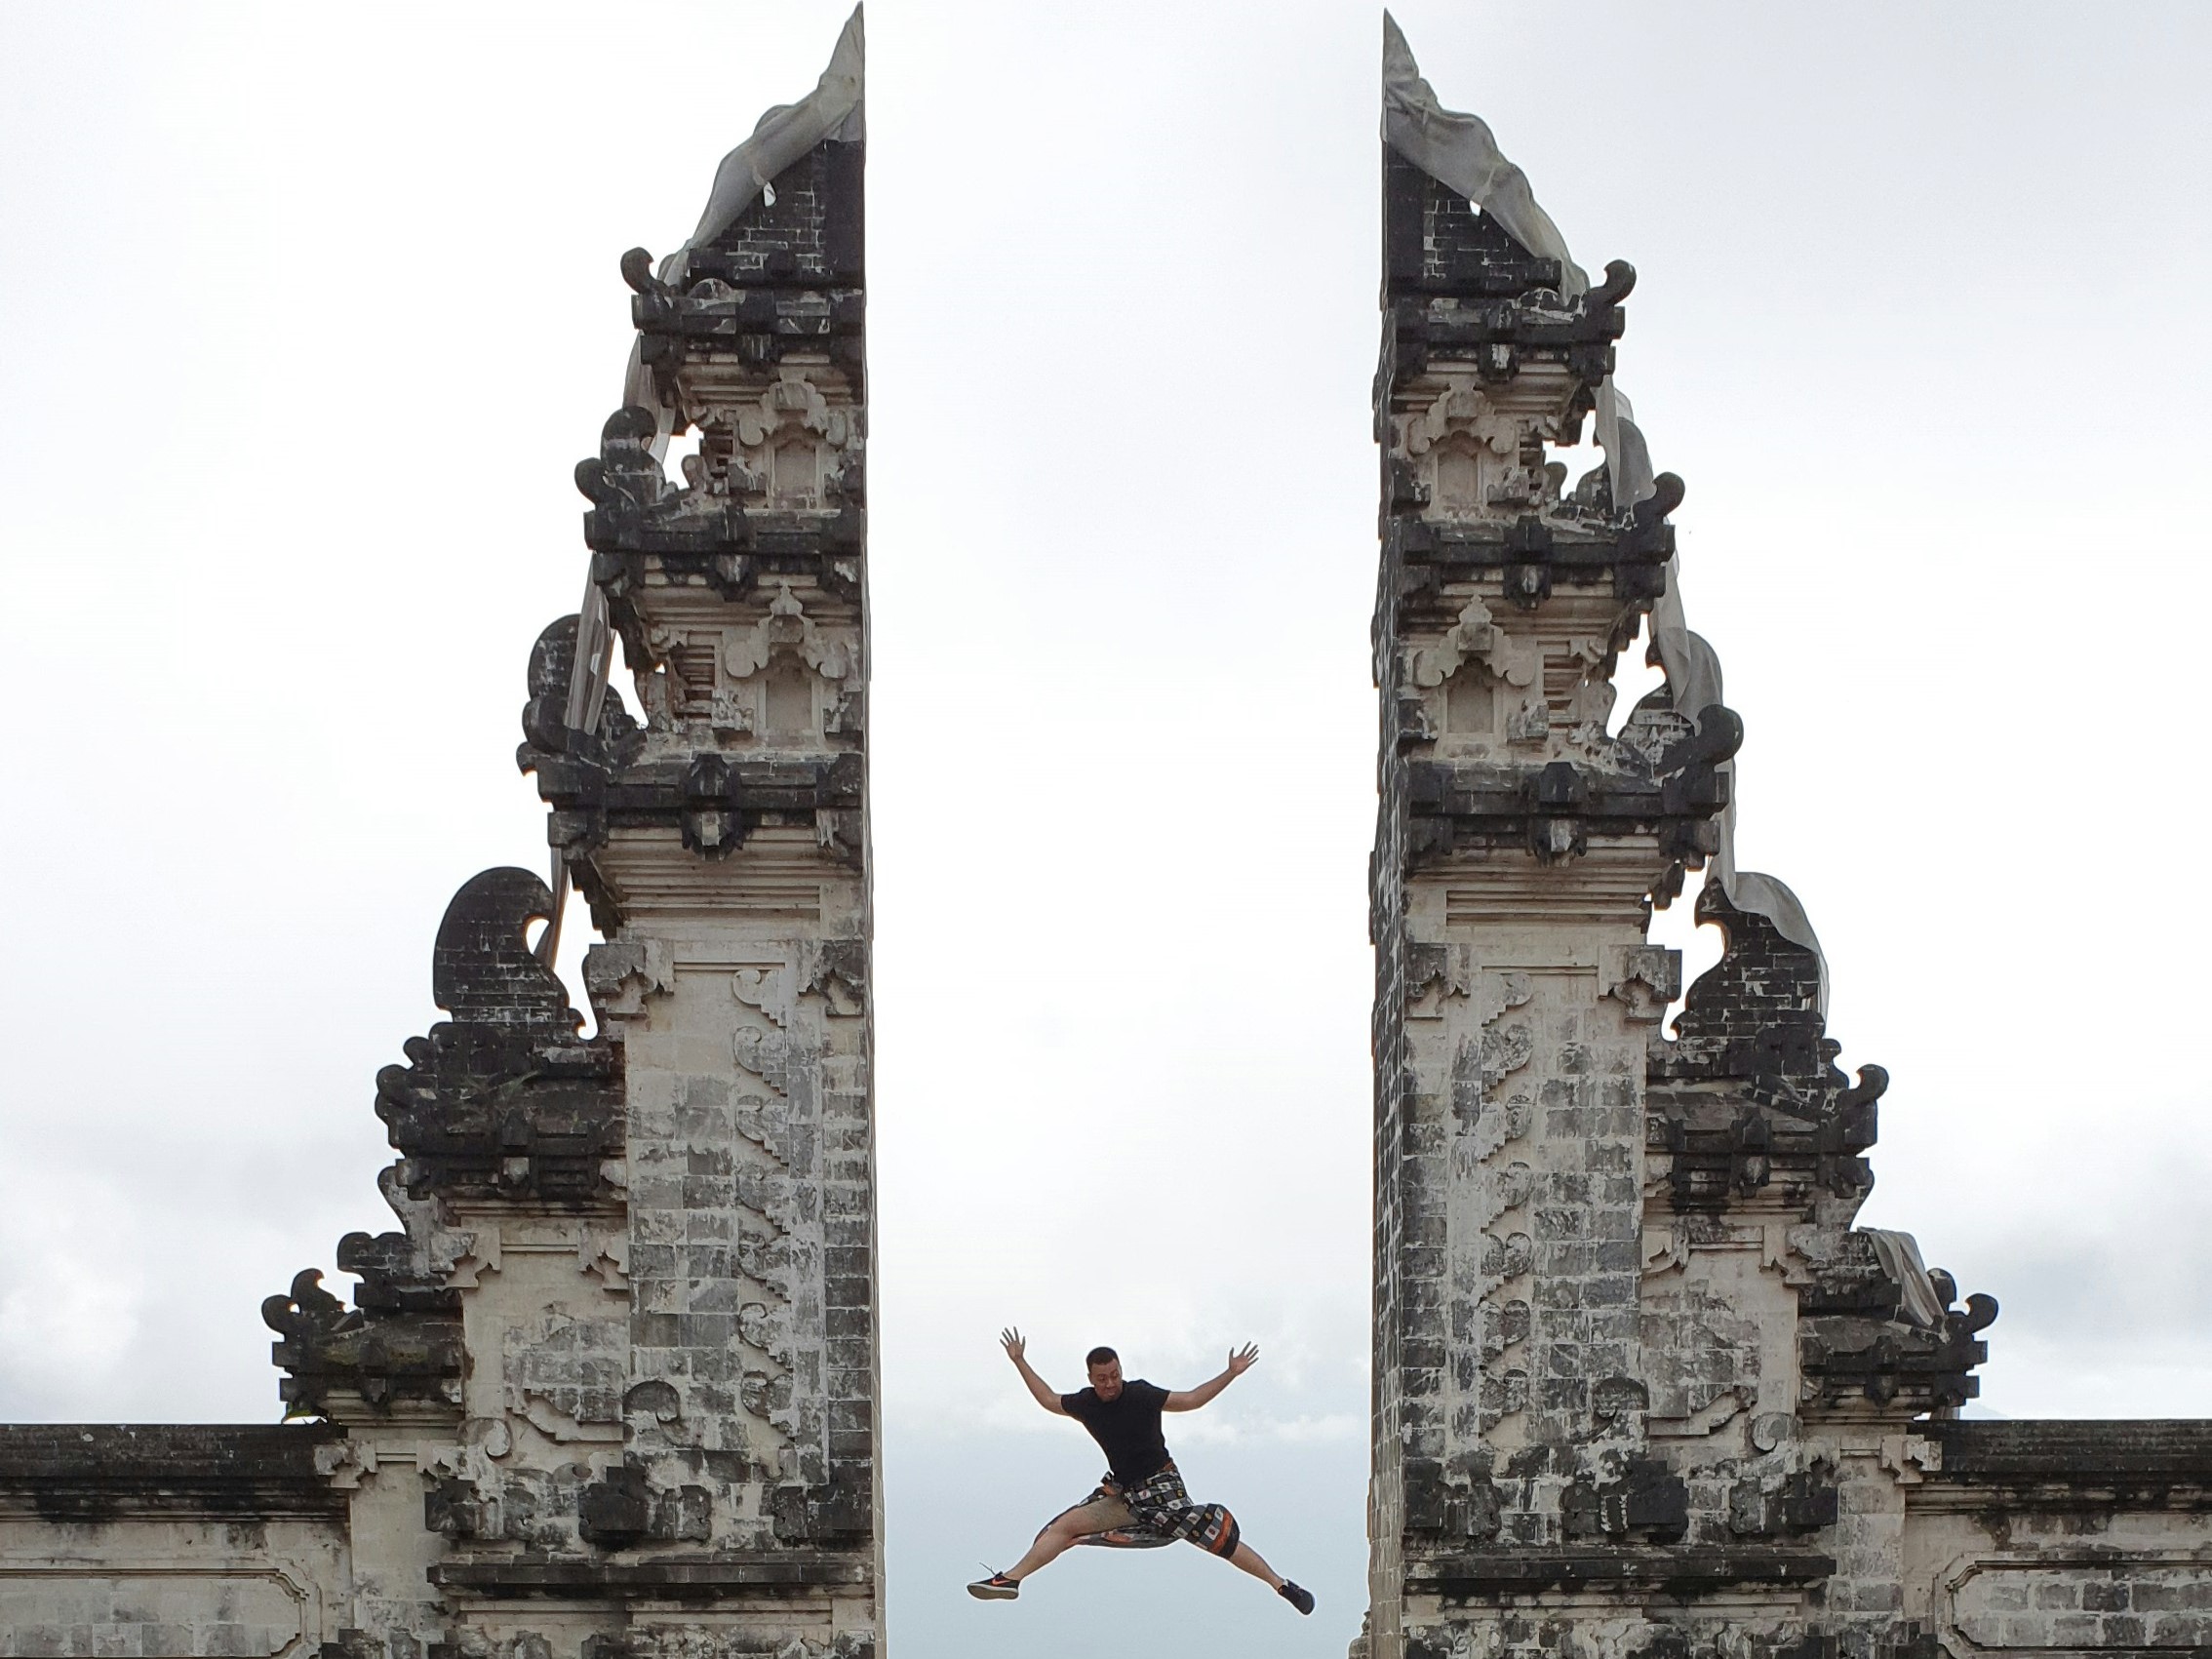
(1107, 1379)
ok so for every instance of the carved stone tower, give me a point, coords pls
(725, 853)
(724, 850)
(1640, 1386)
(626, 1348)
(1517, 851)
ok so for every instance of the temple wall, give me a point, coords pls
(173, 1542)
(2053, 1584)
(2055, 1537)
(176, 1588)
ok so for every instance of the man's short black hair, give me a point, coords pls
(1098, 1357)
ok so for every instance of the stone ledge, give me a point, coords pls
(2089, 1451)
(1508, 1572)
(95, 1471)
(658, 1576)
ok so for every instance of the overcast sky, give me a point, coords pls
(310, 311)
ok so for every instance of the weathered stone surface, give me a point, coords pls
(96, 1473)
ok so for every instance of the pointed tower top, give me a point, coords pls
(1460, 152)
(832, 110)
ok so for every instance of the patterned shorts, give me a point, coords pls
(1156, 1512)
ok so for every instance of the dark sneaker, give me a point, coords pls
(1302, 1599)
(1000, 1588)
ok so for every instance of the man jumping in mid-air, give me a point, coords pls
(1141, 1502)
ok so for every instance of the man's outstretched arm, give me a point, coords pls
(1190, 1398)
(1017, 1352)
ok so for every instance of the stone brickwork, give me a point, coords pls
(1642, 1389)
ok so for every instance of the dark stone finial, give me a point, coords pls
(308, 1309)
(637, 271)
(545, 716)
(552, 662)
(484, 972)
(632, 424)
(1667, 492)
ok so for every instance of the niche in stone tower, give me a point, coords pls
(787, 697)
(779, 660)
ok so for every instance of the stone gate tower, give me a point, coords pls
(1642, 1390)
(610, 1391)
(660, 1244)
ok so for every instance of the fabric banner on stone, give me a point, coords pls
(1459, 150)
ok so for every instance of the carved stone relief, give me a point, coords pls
(1475, 457)
(792, 442)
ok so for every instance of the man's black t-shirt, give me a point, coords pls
(1127, 1429)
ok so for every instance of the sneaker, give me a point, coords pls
(1302, 1599)
(1000, 1588)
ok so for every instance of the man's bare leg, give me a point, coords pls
(1062, 1531)
(1248, 1558)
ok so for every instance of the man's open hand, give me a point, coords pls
(1010, 1340)
(1241, 1359)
